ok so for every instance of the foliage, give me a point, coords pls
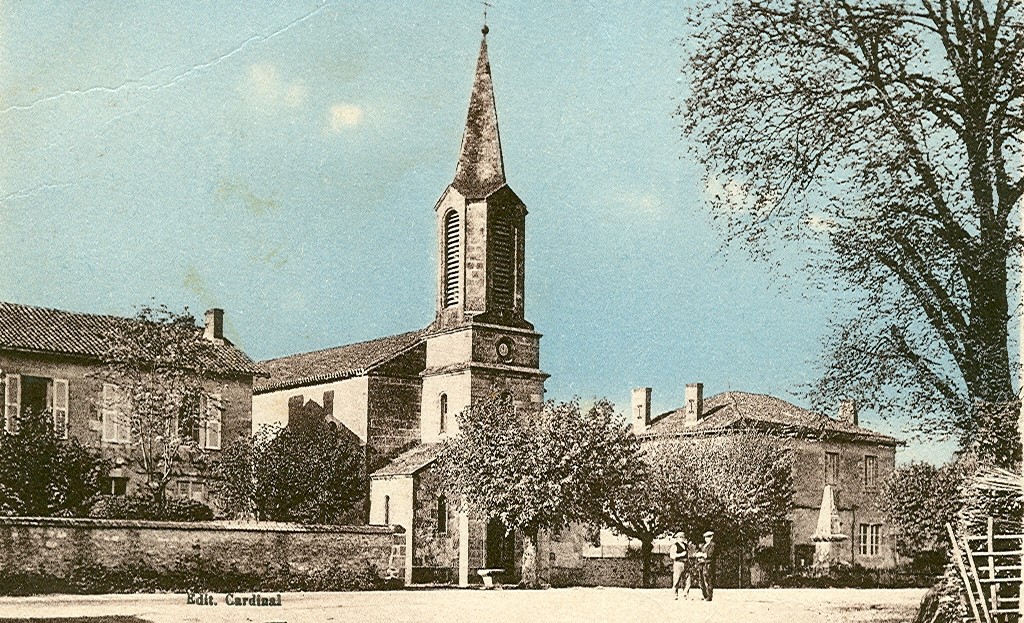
(192, 574)
(41, 475)
(884, 137)
(161, 364)
(311, 474)
(918, 500)
(739, 485)
(146, 508)
(856, 576)
(536, 468)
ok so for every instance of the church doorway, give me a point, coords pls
(501, 546)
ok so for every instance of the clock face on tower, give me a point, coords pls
(504, 349)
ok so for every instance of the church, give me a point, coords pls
(399, 394)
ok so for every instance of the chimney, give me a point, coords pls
(694, 403)
(214, 325)
(641, 409)
(848, 412)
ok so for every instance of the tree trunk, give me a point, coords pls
(531, 566)
(646, 549)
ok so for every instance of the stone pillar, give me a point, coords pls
(463, 548)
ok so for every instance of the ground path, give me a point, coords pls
(498, 606)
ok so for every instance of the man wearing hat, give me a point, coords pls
(680, 555)
(706, 565)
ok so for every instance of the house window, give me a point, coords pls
(36, 395)
(192, 490)
(870, 539)
(451, 258)
(870, 472)
(442, 515)
(116, 428)
(832, 468)
(207, 432)
(387, 509)
(116, 486)
(443, 400)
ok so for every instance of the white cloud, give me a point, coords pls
(639, 202)
(264, 85)
(344, 116)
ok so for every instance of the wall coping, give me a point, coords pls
(194, 526)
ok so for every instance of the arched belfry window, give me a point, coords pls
(387, 509)
(443, 407)
(451, 258)
(442, 515)
(503, 260)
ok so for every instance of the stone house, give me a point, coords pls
(838, 468)
(399, 394)
(50, 361)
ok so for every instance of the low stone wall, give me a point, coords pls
(70, 548)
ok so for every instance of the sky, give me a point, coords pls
(282, 161)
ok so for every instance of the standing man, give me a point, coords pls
(706, 565)
(680, 555)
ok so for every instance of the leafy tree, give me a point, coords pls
(42, 475)
(738, 485)
(311, 474)
(536, 469)
(161, 364)
(885, 137)
(918, 500)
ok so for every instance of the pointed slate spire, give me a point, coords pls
(481, 170)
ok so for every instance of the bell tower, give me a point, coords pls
(480, 341)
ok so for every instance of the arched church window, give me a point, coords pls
(443, 400)
(503, 260)
(442, 515)
(451, 258)
(387, 509)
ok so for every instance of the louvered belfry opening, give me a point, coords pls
(503, 261)
(451, 258)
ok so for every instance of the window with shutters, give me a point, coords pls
(207, 431)
(12, 402)
(116, 428)
(832, 468)
(503, 260)
(870, 472)
(59, 408)
(451, 258)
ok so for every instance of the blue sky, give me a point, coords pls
(282, 162)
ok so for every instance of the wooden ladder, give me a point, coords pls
(992, 576)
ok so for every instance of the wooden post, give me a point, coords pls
(958, 556)
(993, 588)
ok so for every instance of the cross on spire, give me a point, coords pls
(486, 5)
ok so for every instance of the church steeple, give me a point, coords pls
(480, 170)
(481, 224)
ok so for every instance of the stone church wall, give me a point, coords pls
(435, 551)
(393, 405)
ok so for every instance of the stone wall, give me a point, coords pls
(61, 547)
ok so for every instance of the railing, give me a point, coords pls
(991, 575)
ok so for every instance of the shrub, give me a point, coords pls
(146, 508)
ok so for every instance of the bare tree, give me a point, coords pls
(156, 401)
(884, 137)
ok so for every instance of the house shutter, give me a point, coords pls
(60, 408)
(114, 429)
(12, 402)
(214, 420)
